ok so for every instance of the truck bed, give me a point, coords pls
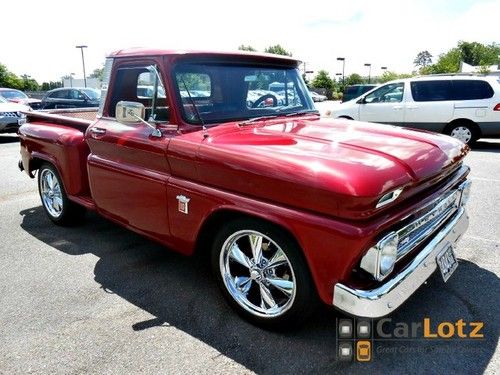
(77, 118)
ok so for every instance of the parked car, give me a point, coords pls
(354, 91)
(74, 97)
(288, 207)
(11, 116)
(465, 107)
(317, 97)
(17, 96)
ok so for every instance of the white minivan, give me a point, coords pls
(465, 107)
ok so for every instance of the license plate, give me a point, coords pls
(447, 262)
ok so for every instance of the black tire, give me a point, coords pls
(459, 128)
(64, 212)
(304, 300)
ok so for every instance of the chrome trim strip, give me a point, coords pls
(386, 298)
(425, 225)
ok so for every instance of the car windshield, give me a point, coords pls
(92, 93)
(224, 92)
(13, 94)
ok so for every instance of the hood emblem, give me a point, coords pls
(183, 203)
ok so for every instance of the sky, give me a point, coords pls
(39, 37)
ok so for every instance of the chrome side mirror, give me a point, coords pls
(129, 112)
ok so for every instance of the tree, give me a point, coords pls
(472, 53)
(423, 59)
(391, 76)
(323, 80)
(278, 50)
(98, 73)
(244, 47)
(354, 79)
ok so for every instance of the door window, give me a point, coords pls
(390, 93)
(141, 84)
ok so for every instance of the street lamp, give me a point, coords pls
(369, 71)
(343, 68)
(83, 63)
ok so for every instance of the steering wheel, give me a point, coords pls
(264, 97)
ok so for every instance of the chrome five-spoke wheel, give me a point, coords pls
(262, 273)
(257, 273)
(50, 191)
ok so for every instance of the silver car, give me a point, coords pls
(11, 116)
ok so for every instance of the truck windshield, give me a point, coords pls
(225, 92)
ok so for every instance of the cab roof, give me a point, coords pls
(268, 57)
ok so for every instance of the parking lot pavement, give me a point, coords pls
(98, 298)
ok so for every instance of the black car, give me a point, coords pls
(74, 97)
(354, 91)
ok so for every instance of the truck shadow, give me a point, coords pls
(180, 293)
(486, 145)
(8, 138)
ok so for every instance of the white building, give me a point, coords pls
(94, 83)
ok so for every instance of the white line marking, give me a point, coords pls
(482, 239)
(485, 179)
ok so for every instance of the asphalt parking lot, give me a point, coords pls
(99, 299)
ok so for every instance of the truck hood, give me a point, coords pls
(336, 167)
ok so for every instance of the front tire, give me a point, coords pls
(55, 201)
(263, 274)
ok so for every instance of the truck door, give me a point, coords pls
(384, 105)
(127, 165)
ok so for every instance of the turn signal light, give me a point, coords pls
(497, 107)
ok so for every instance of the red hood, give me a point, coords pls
(330, 166)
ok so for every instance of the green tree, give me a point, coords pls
(98, 73)
(323, 80)
(278, 50)
(391, 76)
(423, 59)
(472, 53)
(354, 79)
(244, 47)
(9, 79)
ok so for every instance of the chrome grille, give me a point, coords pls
(435, 214)
(8, 114)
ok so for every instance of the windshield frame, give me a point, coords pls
(293, 77)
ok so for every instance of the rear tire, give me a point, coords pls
(54, 199)
(463, 131)
(262, 274)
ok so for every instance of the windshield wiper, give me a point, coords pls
(249, 121)
(298, 113)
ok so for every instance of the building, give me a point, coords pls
(494, 70)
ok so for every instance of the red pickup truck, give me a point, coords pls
(224, 154)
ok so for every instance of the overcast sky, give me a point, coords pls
(39, 37)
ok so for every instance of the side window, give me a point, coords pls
(141, 84)
(431, 91)
(391, 93)
(471, 89)
(60, 94)
(76, 95)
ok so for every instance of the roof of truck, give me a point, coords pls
(160, 52)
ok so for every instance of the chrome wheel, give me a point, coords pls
(257, 274)
(463, 133)
(50, 189)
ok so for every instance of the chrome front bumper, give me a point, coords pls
(386, 298)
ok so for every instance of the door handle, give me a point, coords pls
(397, 107)
(412, 107)
(97, 131)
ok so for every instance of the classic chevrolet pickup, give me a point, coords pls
(224, 154)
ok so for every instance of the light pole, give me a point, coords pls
(343, 68)
(83, 63)
(369, 71)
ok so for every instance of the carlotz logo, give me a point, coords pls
(354, 340)
(356, 337)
